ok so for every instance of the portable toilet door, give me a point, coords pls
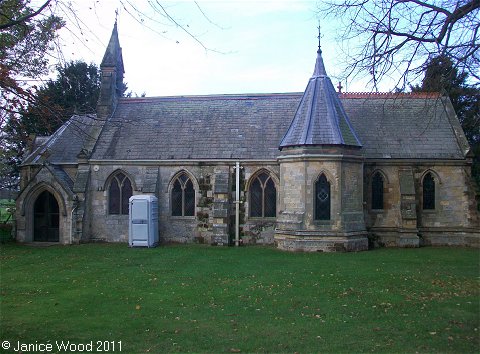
(143, 221)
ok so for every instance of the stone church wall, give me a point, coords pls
(255, 230)
(103, 226)
(186, 229)
(214, 212)
(389, 216)
(454, 221)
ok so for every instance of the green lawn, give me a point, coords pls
(5, 206)
(252, 299)
(6, 219)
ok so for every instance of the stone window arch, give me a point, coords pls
(323, 198)
(182, 195)
(120, 189)
(46, 218)
(428, 191)
(378, 182)
(262, 196)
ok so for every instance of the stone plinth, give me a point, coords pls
(298, 226)
(321, 242)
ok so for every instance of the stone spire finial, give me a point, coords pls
(319, 66)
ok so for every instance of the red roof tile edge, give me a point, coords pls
(389, 95)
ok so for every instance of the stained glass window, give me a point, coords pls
(322, 198)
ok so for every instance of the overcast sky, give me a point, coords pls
(253, 46)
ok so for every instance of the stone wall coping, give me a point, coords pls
(182, 162)
(326, 157)
(416, 162)
(386, 161)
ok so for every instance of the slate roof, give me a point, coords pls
(406, 125)
(79, 132)
(197, 127)
(62, 177)
(320, 118)
(250, 127)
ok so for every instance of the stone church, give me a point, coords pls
(318, 170)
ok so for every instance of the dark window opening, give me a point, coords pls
(322, 199)
(377, 191)
(119, 192)
(183, 196)
(263, 197)
(428, 192)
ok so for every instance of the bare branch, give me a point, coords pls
(384, 34)
(23, 19)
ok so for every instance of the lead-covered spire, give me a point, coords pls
(320, 118)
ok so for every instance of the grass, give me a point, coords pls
(205, 299)
(5, 206)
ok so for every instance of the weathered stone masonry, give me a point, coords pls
(308, 162)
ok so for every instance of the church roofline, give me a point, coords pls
(266, 95)
(238, 96)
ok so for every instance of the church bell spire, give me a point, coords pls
(112, 71)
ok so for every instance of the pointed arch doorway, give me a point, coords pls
(46, 218)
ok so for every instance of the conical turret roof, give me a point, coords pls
(320, 118)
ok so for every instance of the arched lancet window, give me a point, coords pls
(119, 191)
(322, 198)
(263, 197)
(183, 196)
(377, 191)
(428, 192)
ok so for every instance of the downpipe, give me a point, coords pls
(237, 203)
(75, 200)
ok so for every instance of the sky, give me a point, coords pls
(240, 46)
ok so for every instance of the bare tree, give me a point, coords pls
(397, 38)
(30, 45)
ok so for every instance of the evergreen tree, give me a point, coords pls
(74, 91)
(441, 76)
